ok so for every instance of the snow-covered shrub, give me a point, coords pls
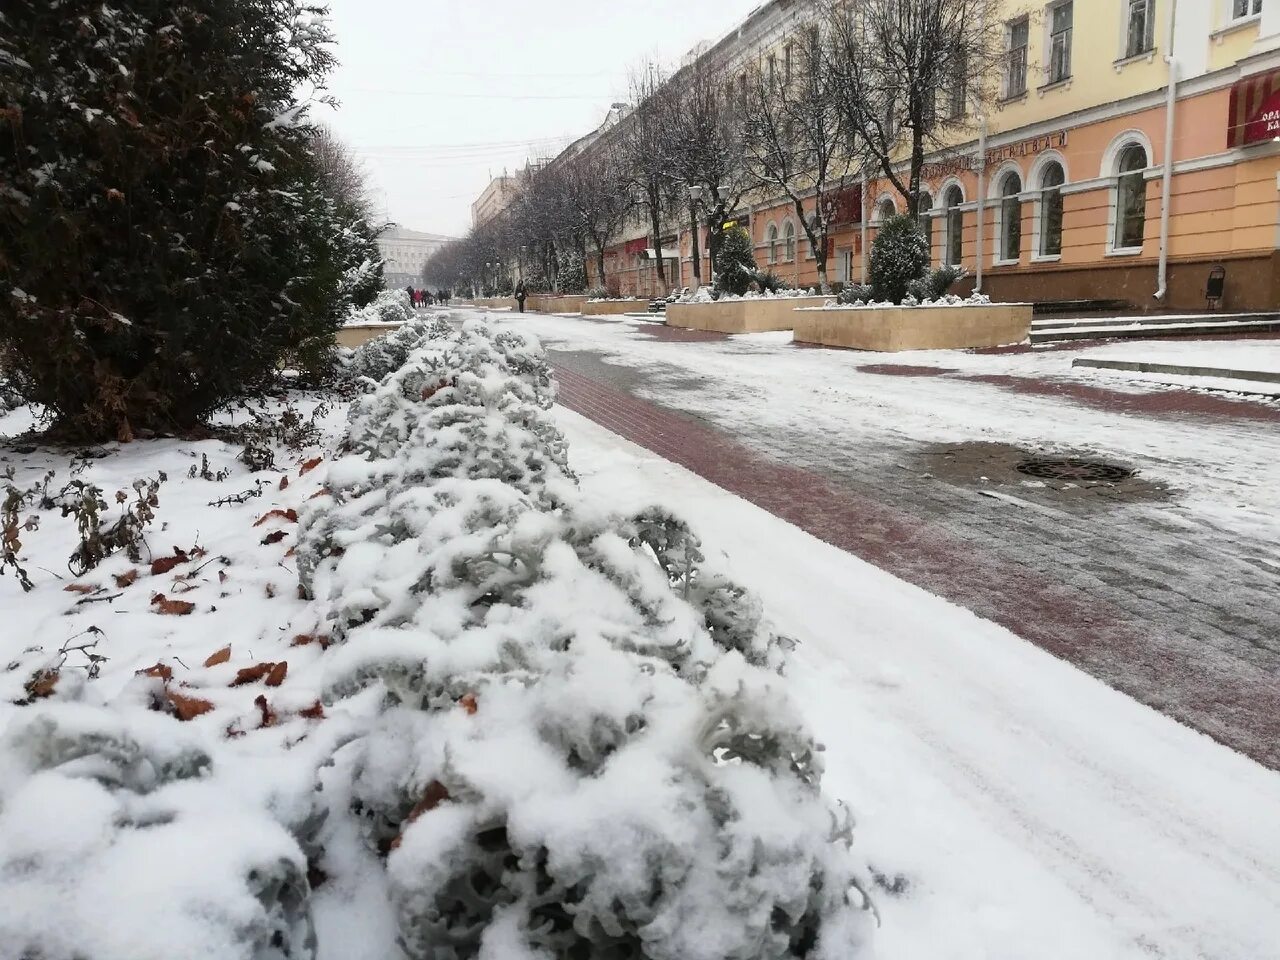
(379, 356)
(899, 254)
(112, 821)
(572, 277)
(585, 747)
(856, 293)
(735, 262)
(935, 284)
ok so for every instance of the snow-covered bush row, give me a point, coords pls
(390, 306)
(368, 363)
(585, 747)
(947, 300)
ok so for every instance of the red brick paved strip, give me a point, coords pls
(1234, 703)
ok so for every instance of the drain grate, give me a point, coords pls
(1074, 468)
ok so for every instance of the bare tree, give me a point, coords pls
(794, 140)
(642, 139)
(342, 172)
(908, 75)
(598, 190)
(703, 143)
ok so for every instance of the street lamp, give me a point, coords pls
(695, 194)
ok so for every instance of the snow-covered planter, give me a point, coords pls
(584, 746)
(374, 359)
(945, 324)
(613, 306)
(746, 314)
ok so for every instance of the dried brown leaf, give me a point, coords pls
(220, 656)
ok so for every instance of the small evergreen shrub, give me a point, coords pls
(899, 254)
(735, 262)
(935, 284)
(572, 278)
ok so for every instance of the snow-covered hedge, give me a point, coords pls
(390, 306)
(368, 363)
(584, 746)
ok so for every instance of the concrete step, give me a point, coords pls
(1145, 331)
(1150, 319)
(1181, 370)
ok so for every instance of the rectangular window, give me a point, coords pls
(1140, 28)
(1245, 8)
(1051, 222)
(958, 95)
(955, 237)
(786, 62)
(773, 70)
(1016, 77)
(1060, 42)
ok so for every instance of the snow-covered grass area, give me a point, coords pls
(1025, 809)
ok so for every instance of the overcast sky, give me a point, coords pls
(436, 95)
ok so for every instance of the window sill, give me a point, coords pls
(1063, 84)
(1006, 263)
(1010, 99)
(1244, 23)
(1124, 252)
(1046, 258)
(1147, 55)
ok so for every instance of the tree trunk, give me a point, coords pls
(655, 227)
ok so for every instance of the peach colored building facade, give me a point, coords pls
(1060, 192)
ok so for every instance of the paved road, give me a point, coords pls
(1163, 585)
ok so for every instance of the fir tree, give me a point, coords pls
(166, 240)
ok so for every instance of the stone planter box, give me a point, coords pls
(890, 329)
(569, 303)
(613, 308)
(740, 316)
(356, 334)
(496, 303)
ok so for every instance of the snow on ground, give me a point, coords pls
(762, 386)
(1024, 809)
(1251, 355)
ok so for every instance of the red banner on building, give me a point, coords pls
(637, 246)
(1255, 110)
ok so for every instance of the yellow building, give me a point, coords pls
(1105, 108)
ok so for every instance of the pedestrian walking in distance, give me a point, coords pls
(521, 293)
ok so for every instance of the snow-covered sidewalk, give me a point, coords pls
(1021, 808)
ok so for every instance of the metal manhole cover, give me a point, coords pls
(1074, 468)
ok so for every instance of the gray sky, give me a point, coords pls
(438, 94)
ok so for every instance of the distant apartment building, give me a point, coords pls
(1135, 146)
(406, 252)
(493, 199)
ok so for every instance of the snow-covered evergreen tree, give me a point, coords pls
(167, 237)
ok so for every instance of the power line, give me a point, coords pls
(485, 96)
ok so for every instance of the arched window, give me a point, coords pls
(789, 239)
(1051, 181)
(951, 201)
(885, 210)
(1010, 217)
(924, 205)
(771, 238)
(1131, 198)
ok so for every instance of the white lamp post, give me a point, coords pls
(695, 195)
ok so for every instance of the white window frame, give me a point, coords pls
(1149, 41)
(789, 241)
(1010, 91)
(946, 221)
(877, 216)
(1049, 37)
(928, 216)
(1253, 10)
(998, 258)
(771, 241)
(1110, 172)
(1036, 180)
